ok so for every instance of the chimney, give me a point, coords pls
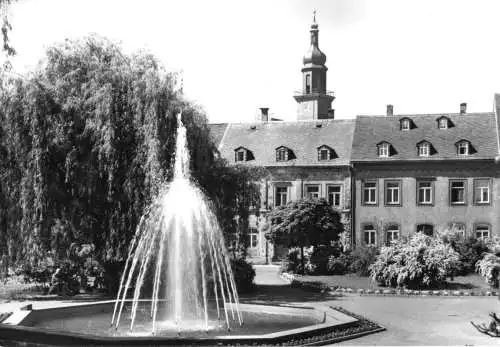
(463, 108)
(264, 114)
(390, 110)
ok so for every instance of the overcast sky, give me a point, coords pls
(421, 56)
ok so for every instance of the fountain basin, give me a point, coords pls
(89, 324)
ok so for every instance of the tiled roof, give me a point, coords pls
(478, 128)
(217, 131)
(302, 137)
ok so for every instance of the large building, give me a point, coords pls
(389, 176)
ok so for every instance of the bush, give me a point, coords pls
(470, 251)
(361, 259)
(244, 275)
(489, 265)
(422, 261)
(339, 265)
(489, 268)
(318, 262)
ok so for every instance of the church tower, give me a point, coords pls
(314, 101)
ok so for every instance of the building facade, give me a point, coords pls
(389, 176)
(425, 173)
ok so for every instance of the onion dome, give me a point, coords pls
(314, 56)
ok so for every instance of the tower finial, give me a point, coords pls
(314, 16)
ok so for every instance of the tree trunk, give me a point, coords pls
(302, 259)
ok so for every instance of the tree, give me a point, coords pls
(86, 142)
(6, 28)
(304, 223)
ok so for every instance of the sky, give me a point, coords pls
(422, 56)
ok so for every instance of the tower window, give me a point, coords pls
(308, 84)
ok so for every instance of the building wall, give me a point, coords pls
(441, 213)
(296, 179)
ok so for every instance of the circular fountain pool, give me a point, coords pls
(89, 324)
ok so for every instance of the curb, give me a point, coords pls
(293, 281)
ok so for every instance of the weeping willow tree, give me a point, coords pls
(86, 140)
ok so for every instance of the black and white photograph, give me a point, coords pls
(249, 173)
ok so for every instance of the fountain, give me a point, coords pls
(177, 288)
(180, 245)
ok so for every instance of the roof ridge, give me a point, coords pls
(427, 114)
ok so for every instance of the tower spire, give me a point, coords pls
(314, 99)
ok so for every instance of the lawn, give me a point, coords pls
(469, 283)
(15, 287)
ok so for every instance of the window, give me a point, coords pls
(281, 196)
(240, 155)
(383, 150)
(443, 123)
(463, 148)
(426, 229)
(369, 193)
(334, 195)
(312, 192)
(457, 192)
(424, 149)
(482, 231)
(405, 124)
(482, 191)
(369, 234)
(308, 84)
(253, 238)
(424, 192)
(324, 154)
(459, 228)
(392, 233)
(282, 154)
(393, 192)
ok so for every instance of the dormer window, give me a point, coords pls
(284, 154)
(405, 125)
(424, 149)
(384, 149)
(444, 122)
(242, 154)
(463, 148)
(326, 153)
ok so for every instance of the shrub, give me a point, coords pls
(244, 275)
(361, 259)
(489, 265)
(489, 268)
(318, 260)
(339, 265)
(470, 249)
(422, 261)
